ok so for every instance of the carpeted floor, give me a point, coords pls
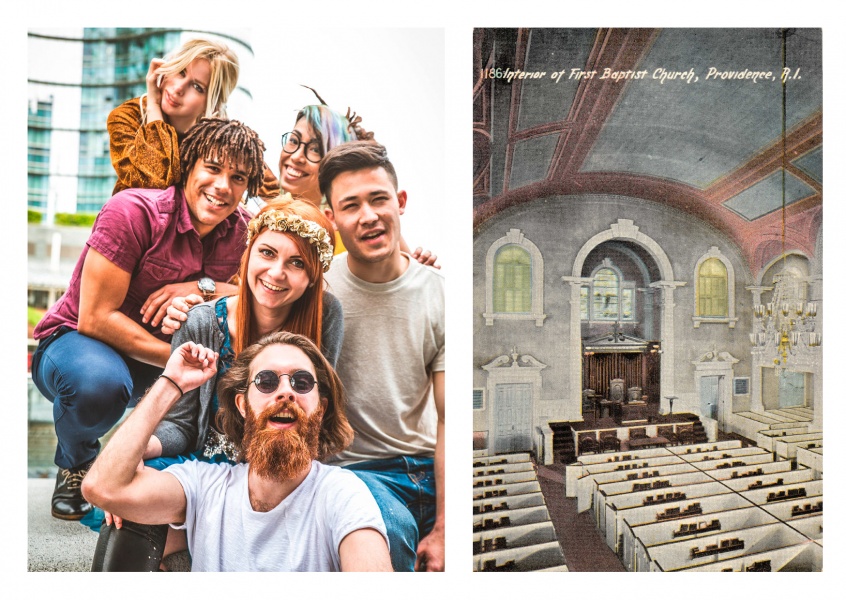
(583, 546)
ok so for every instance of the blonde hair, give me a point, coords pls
(224, 73)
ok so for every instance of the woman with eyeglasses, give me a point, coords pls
(317, 130)
(192, 82)
(281, 289)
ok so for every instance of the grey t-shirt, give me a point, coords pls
(394, 340)
(303, 533)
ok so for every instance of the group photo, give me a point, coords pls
(237, 339)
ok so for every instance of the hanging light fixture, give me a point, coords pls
(784, 327)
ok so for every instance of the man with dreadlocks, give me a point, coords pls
(98, 349)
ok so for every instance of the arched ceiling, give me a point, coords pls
(640, 112)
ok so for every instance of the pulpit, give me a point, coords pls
(617, 390)
(619, 368)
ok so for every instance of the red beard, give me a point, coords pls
(281, 454)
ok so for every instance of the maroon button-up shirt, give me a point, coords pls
(149, 234)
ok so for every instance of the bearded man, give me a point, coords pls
(279, 509)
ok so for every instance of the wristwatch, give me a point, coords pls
(206, 285)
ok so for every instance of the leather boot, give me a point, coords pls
(68, 503)
(133, 547)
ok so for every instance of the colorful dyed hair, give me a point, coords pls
(306, 315)
(330, 127)
(224, 73)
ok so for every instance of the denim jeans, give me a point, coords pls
(404, 489)
(90, 385)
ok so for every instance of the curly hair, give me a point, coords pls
(335, 431)
(226, 141)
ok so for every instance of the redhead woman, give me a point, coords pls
(144, 133)
(281, 289)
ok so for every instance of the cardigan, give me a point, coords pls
(148, 156)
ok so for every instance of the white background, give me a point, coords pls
(423, 115)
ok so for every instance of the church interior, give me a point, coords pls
(647, 294)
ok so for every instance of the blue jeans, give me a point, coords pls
(404, 489)
(90, 385)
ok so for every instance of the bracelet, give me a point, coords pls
(181, 393)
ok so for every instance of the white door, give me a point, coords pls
(791, 389)
(709, 395)
(513, 412)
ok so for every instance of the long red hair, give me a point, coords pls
(306, 315)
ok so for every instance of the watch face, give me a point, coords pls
(206, 284)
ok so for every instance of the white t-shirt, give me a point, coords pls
(394, 339)
(302, 533)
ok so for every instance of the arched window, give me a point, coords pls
(605, 295)
(714, 281)
(608, 297)
(514, 280)
(712, 299)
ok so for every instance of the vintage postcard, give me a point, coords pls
(647, 300)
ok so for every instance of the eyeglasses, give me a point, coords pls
(267, 382)
(291, 141)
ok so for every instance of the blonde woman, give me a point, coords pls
(193, 82)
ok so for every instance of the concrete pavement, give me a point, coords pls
(55, 545)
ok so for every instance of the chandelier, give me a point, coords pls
(784, 327)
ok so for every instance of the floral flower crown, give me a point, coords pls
(276, 220)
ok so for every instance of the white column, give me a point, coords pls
(647, 295)
(816, 295)
(757, 290)
(756, 400)
(574, 361)
(668, 337)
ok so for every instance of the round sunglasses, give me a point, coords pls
(267, 382)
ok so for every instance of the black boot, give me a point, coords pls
(68, 503)
(133, 547)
